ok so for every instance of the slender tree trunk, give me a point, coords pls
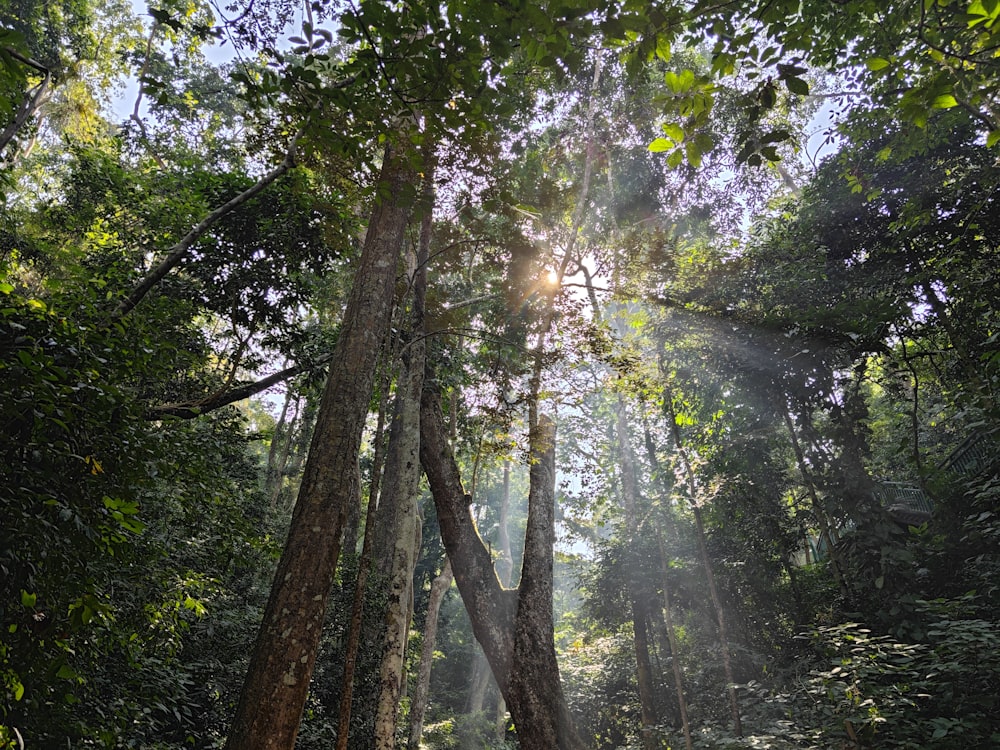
(418, 706)
(514, 627)
(364, 569)
(274, 693)
(675, 656)
(404, 488)
(675, 662)
(281, 445)
(505, 569)
(706, 561)
(818, 510)
(478, 683)
(630, 496)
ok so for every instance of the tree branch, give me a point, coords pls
(32, 98)
(193, 409)
(179, 251)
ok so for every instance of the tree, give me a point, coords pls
(514, 626)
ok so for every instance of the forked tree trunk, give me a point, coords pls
(274, 693)
(514, 626)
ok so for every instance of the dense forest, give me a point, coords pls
(543, 374)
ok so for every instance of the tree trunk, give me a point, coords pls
(418, 706)
(514, 627)
(505, 569)
(478, 684)
(364, 569)
(675, 659)
(630, 497)
(274, 693)
(706, 561)
(403, 496)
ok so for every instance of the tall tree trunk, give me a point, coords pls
(418, 706)
(364, 569)
(505, 569)
(675, 657)
(274, 693)
(403, 495)
(818, 510)
(706, 561)
(514, 626)
(630, 497)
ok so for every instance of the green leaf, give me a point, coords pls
(5, 288)
(877, 63)
(663, 48)
(28, 600)
(675, 159)
(797, 86)
(993, 138)
(693, 154)
(944, 101)
(660, 144)
(66, 672)
(673, 131)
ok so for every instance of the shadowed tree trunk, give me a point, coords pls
(706, 562)
(274, 693)
(630, 496)
(514, 626)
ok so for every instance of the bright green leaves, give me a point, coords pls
(679, 146)
(679, 84)
(983, 13)
(944, 101)
(690, 98)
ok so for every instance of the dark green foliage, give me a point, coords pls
(126, 546)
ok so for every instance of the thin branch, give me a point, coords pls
(32, 98)
(179, 251)
(193, 409)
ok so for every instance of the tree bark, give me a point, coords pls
(403, 495)
(274, 693)
(418, 706)
(514, 626)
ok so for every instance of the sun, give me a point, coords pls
(552, 278)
